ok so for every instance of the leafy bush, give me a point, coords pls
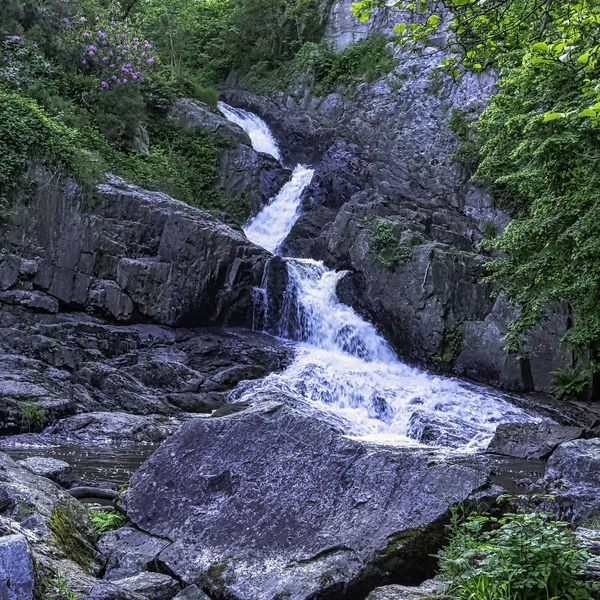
(519, 556)
(568, 383)
(391, 249)
(103, 521)
(26, 130)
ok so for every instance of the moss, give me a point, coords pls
(217, 573)
(401, 539)
(70, 534)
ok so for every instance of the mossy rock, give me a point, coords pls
(72, 529)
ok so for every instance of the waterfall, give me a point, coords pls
(272, 224)
(256, 128)
(344, 370)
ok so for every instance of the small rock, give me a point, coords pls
(52, 468)
(156, 586)
(531, 440)
(129, 551)
(192, 592)
(402, 592)
(17, 574)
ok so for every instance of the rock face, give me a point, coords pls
(531, 440)
(385, 153)
(137, 256)
(17, 574)
(271, 503)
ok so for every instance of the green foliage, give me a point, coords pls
(519, 556)
(33, 415)
(103, 521)
(391, 246)
(27, 131)
(58, 588)
(363, 61)
(449, 348)
(460, 123)
(490, 230)
(568, 383)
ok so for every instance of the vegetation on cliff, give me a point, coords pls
(537, 146)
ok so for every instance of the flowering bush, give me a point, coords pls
(111, 51)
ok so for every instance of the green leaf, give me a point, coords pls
(400, 29)
(588, 112)
(552, 116)
(541, 46)
(433, 20)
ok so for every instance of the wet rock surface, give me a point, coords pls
(274, 501)
(531, 440)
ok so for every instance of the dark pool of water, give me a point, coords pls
(113, 464)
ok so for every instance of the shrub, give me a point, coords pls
(519, 556)
(103, 521)
(33, 415)
(392, 249)
(568, 383)
(26, 130)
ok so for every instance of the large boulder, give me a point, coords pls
(531, 440)
(17, 572)
(573, 477)
(273, 502)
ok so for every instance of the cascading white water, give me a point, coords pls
(273, 223)
(255, 127)
(344, 368)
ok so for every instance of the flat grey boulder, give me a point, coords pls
(531, 440)
(17, 573)
(155, 586)
(120, 427)
(272, 502)
(401, 592)
(52, 468)
(129, 551)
